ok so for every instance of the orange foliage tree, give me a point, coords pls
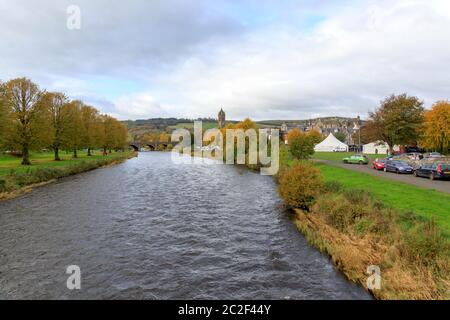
(300, 184)
(435, 132)
(301, 145)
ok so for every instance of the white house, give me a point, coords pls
(378, 147)
(331, 144)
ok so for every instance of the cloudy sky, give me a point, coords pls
(284, 59)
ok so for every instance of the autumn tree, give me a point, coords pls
(341, 136)
(90, 122)
(435, 132)
(246, 125)
(301, 145)
(4, 115)
(164, 137)
(396, 122)
(315, 136)
(121, 135)
(22, 98)
(293, 134)
(115, 133)
(301, 184)
(73, 132)
(53, 104)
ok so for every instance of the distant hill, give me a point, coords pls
(139, 128)
(330, 121)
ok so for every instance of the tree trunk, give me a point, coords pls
(89, 152)
(391, 150)
(25, 155)
(75, 153)
(57, 158)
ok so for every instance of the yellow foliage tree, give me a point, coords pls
(435, 132)
(294, 134)
(315, 136)
(22, 98)
(246, 124)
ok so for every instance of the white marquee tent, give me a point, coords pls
(331, 144)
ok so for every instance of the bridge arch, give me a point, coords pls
(135, 148)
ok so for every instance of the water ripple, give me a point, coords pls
(148, 229)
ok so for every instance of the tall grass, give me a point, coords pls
(357, 230)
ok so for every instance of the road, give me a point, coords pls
(440, 185)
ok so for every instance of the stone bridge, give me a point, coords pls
(151, 145)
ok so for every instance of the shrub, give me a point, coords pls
(2, 185)
(354, 210)
(300, 184)
(358, 196)
(339, 211)
(334, 187)
(160, 148)
(426, 244)
(301, 146)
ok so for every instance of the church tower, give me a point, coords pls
(221, 119)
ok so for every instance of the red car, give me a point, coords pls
(378, 164)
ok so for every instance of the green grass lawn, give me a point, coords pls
(338, 156)
(423, 202)
(45, 160)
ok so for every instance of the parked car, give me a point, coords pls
(413, 150)
(415, 156)
(378, 164)
(356, 159)
(434, 171)
(433, 155)
(340, 149)
(398, 166)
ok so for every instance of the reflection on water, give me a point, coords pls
(149, 229)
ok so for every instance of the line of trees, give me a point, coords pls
(402, 120)
(33, 119)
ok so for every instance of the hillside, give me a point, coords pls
(139, 128)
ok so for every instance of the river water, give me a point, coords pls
(150, 229)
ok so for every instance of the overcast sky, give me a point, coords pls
(262, 59)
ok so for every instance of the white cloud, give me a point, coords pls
(139, 105)
(345, 66)
(204, 56)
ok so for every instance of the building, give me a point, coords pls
(349, 127)
(222, 118)
(378, 147)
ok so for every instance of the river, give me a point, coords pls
(150, 229)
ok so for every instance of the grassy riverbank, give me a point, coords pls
(407, 198)
(360, 220)
(16, 179)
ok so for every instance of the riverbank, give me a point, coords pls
(425, 203)
(360, 223)
(16, 180)
(221, 235)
